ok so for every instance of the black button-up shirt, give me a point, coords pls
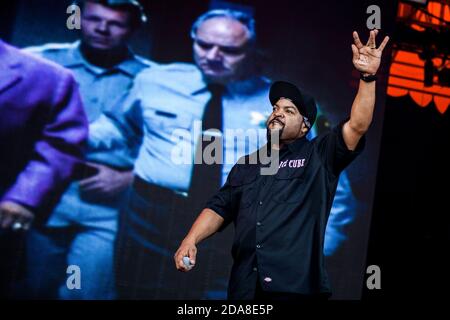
(280, 219)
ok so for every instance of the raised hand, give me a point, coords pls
(367, 58)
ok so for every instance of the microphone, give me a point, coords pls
(187, 262)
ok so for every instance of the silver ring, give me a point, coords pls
(17, 226)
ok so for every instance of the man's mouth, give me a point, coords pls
(277, 121)
(213, 66)
(100, 40)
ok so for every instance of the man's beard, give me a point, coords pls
(269, 135)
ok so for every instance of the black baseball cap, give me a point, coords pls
(305, 103)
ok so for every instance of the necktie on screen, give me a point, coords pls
(207, 178)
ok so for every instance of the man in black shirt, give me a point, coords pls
(280, 219)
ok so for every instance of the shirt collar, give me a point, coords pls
(202, 87)
(74, 57)
(131, 66)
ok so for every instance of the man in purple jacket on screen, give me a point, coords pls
(42, 129)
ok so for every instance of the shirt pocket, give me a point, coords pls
(289, 183)
(159, 119)
(245, 188)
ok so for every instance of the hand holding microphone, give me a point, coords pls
(187, 263)
(185, 256)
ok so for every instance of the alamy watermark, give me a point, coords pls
(73, 281)
(374, 280)
(74, 20)
(374, 20)
(186, 140)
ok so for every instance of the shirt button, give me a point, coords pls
(260, 203)
(258, 246)
(258, 223)
(255, 269)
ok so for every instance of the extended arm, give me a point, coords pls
(56, 153)
(366, 60)
(207, 223)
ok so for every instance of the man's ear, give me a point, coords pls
(304, 128)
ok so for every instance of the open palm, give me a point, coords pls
(367, 58)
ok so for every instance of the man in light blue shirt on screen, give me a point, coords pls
(168, 103)
(82, 229)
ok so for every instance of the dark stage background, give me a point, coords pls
(307, 42)
(410, 232)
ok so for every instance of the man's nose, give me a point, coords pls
(278, 114)
(102, 27)
(214, 54)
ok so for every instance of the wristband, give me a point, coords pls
(369, 78)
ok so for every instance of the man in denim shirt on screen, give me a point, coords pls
(170, 100)
(83, 227)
